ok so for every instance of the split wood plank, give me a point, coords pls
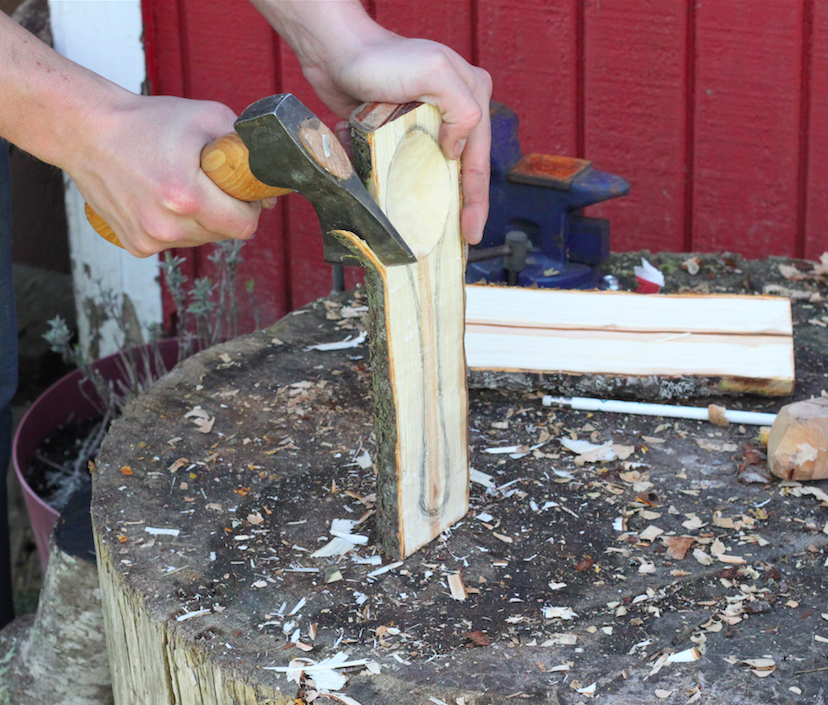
(416, 324)
(727, 314)
(745, 341)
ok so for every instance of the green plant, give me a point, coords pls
(201, 321)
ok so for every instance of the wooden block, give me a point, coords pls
(798, 441)
(740, 343)
(416, 327)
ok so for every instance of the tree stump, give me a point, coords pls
(57, 656)
(215, 490)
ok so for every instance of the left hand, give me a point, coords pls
(349, 60)
(400, 70)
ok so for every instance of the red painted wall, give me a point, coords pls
(712, 110)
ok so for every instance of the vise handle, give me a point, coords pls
(226, 161)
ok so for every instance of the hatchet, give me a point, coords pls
(280, 146)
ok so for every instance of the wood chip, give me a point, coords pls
(178, 464)
(558, 613)
(456, 586)
(716, 415)
(714, 445)
(760, 667)
(650, 533)
(702, 557)
(561, 640)
(691, 654)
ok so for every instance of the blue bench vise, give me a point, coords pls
(541, 196)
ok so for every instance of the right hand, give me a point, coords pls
(136, 161)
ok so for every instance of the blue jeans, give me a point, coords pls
(8, 379)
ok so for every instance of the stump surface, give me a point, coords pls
(285, 455)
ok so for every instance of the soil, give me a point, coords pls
(566, 566)
(52, 468)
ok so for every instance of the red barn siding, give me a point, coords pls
(531, 51)
(815, 203)
(712, 110)
(635, 98)
(746, 139)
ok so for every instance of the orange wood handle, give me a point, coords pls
(225, 161)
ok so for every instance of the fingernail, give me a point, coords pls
(269, 203)
(458, 148)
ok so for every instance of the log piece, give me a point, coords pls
(58, 655)
(798, 441)
(281, 462)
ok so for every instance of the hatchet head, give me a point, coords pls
(291, 148)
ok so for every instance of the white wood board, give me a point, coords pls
(613, 310)
(615, 333)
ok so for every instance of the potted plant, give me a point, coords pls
(61, 432)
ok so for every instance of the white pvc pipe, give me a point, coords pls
(754, 418)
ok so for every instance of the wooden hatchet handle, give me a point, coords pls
(225, 161)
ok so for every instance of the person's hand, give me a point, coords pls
(137, 164)
(350, 60)
(399, 70)
(136, 160)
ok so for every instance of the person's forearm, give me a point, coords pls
(47, 100)
(321, 31)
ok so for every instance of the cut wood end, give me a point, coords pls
(371, 116)
(798, 441)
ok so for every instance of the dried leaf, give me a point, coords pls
(477, 638)
(584, 564)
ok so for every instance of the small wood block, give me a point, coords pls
(798, 441)
(416, 326)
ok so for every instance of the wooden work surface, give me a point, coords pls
(284, 457)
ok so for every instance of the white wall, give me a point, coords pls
(105, 36)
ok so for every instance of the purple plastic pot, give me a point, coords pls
(60, 402)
